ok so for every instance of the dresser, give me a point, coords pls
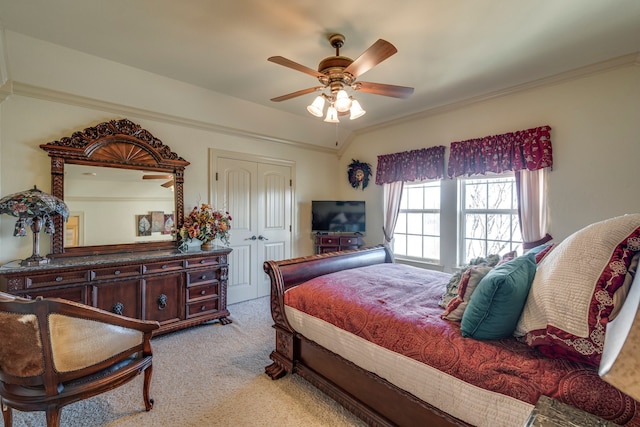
(337, 242)
(177, 289)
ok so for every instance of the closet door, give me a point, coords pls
(258, 196)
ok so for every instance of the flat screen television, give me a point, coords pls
(338, 216)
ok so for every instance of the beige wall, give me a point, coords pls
(595, 124)
(54, 91)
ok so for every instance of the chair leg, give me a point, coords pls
(148, 403)
(6, 414)
(53, 416)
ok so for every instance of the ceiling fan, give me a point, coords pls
(167, 184)
(336, 73)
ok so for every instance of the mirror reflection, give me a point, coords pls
(113, 206)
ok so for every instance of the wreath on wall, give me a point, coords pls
(359, 174)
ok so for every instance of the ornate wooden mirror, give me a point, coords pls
(118, 148)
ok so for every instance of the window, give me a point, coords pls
(417, 232)
(489, 217)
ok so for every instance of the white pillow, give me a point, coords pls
(571, 297)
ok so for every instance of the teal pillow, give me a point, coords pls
(495, 306)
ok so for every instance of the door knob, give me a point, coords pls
(251, 238)
(261, 237)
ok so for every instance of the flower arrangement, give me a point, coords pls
(206, 224)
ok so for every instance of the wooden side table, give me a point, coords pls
(549, 412)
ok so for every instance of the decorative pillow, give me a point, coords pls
(468, 283)
(495, 306)
(572, 295)
(452, 287)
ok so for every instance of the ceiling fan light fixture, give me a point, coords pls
(316, 106)
(356, 110)
(332, 115)
(343, 102)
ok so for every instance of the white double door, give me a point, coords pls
(258, 195)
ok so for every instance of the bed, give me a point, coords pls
(368, 332)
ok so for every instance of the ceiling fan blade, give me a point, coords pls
(167, 184)
(157, 177)
(298, 93)
(294, 65)
(385, 90)
(377, 52)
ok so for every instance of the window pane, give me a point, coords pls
(431, 224)
(400, 244)
(517, 236)
(499, 195)
(475, 249)
(414, 246)
(432, 197)
(499, 227)
(414, 223)
(401, 225)
(415, 198)
(475, 196)
(475, 226)
(498, 247)
(432, 247)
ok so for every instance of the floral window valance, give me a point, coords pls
(526, 149)
(426, 163)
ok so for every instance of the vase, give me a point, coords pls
(208, 245)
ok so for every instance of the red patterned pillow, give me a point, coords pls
(468, 283)
(572, 295)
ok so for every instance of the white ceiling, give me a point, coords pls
(448, 50)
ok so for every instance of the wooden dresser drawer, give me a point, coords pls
(349, 241)
(196, 277)
(115, 272)
(160, 267)
(61, 278)
(203, 291)
(329, 240)
(199, 308)
(204, 261)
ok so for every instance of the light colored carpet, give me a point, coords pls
(210, 375)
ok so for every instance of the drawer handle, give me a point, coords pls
(115, 273)
(203, 308)
(204, 276)
(202, 261)
(59, 279)
(203, 292)
(162, 302)
(118, 308)
(164, 266)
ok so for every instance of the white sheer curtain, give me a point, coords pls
(532, 206)
(392, 197)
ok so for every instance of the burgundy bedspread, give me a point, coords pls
(395, 306)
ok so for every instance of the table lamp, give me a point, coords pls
(33, 208)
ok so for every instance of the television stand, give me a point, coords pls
(337, 242)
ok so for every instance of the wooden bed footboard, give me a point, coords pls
(289, 273)
(365, 394)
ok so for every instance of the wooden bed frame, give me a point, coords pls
(368, 396)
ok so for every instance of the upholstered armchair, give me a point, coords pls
(55, 352)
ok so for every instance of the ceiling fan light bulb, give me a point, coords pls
(356, 110)
(343, 102)
(316, 106)
(332, 115)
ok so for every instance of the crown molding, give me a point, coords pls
(575, 74)
(24, 89)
